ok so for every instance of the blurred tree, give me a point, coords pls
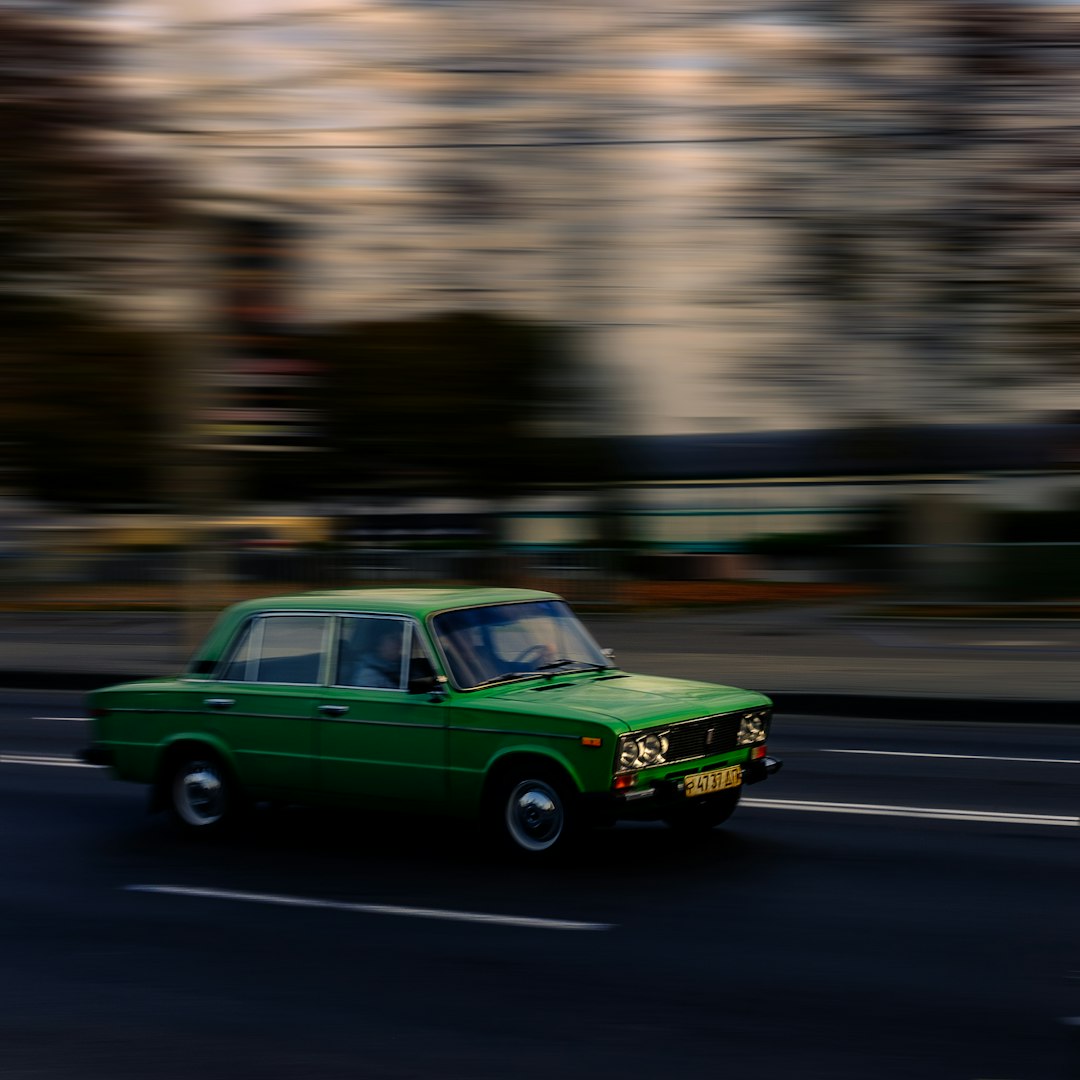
(77, 404)
(72, 202)
(65, 182)
(456, 404)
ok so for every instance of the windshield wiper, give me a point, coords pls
(585, 665)
(544, 671)
(508, 676)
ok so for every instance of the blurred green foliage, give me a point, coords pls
(78, 403)
(67, 191)
(1036, 526)
(1033, 572)
(457, 404)
(77, 387)
(452, 405)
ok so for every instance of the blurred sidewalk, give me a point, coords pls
(816, 659)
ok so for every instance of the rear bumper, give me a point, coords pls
(96, 755)
(660, 799)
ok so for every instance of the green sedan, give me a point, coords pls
(457, 703)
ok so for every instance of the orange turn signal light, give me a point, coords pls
(624, 781)
(757, 752)
(588, 740)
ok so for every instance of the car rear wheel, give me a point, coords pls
(202, 795)
(700, 815)
(536, 813)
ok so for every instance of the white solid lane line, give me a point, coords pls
(372, 909)
(959, 757)
(934, 813)
(46, 759)
(1017, 644)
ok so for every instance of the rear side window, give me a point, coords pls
(373, 652)
(279, 649)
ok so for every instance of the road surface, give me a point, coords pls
(899, 902)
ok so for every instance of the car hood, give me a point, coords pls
(635, 701)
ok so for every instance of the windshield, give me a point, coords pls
(506, 641)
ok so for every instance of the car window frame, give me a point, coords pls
(416, 631)
(435, 640)
(406, 650)
(257, 623)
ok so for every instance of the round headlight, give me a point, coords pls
(652, 749)
(752, 728)
(628, 752)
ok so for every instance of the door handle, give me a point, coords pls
(219, 702)
(333, 710)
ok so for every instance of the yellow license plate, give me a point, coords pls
(717, 780)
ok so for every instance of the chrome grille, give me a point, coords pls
(699, 738)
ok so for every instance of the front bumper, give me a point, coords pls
(662, 797)
(756, 771)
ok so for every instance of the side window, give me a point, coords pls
(373, 652)
(241, 665)
(420, 666)
(279, 649)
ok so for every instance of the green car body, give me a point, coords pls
(452, 702)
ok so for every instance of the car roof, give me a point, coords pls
(417, 602)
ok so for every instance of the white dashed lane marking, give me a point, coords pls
(934, 813)
(524, 921)
(958, 757)
(46, 759)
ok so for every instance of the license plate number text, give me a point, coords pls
(716, 780)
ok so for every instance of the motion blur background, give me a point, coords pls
(646, 301)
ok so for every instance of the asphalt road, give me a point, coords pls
(866, 914)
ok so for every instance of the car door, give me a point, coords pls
(262, 702)
(377, 742)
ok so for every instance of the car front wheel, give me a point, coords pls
(537, 814)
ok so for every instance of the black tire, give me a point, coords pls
(533, 813)
(701, 815)
(202, 797)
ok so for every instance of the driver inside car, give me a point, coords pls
(381, 667)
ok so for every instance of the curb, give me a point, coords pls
(923, 707)
(809, 703)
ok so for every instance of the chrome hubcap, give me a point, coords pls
(199, 793)
(534, 815)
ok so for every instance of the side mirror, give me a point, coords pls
(423, 680)
(422, 684)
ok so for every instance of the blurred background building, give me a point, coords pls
(773, 215)
(381, 240)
